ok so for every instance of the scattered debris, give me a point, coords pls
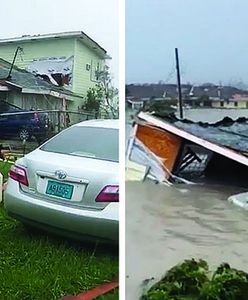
(7, 159)
(135, 171)
(240, 200)
(95, 292)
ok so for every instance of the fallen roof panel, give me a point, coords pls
(230, 141)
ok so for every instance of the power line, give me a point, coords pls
(170, 74)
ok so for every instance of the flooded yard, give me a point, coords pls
(165, 225)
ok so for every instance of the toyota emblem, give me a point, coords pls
(60, 174)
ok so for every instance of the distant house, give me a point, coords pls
(206, 95)
(27, 90)
(236, 101)
(69, 59)
(134, 103)
(216, 96)
(157, 92)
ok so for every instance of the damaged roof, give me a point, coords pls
(228, 137)
(170, 90)
(229, 133)
(25, 80)
(215, 91)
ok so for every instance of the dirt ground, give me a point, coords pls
(16, 145)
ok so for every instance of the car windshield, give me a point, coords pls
(92, 142)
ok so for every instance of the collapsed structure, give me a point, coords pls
(178, 150)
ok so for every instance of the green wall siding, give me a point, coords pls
(14, 98)
(37, 49)
(83, 79)
(35, 101)
(42, 102)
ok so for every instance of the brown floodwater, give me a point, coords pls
(165, 225)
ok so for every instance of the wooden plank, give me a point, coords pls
(135, 171)
(93, 293)
(162, 143)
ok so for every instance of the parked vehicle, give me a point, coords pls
(24, 124)
(70, 185)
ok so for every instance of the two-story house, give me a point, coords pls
(68, 59)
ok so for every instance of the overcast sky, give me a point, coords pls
(212, 37)
(97, 18)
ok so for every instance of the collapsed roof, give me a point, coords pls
(27, 82)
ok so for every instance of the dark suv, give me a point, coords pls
(24, 124)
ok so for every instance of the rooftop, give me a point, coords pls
(149, 91)
(154, 90)
(232, 134)
(76, 34)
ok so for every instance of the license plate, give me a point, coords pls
(59, 189)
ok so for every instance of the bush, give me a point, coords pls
(4, 168)
(192, 280)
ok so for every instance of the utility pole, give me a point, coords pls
(180, 101)
(13, 62)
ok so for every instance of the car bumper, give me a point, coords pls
(69, 221)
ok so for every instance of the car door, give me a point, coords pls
(4, 126)
(9, 125)
(17, 123)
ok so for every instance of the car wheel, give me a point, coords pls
(24, 134)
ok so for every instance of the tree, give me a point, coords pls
(104, 96)
(92, 102)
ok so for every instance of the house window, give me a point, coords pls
(221, 103)
(95, 69)
(235, 104)
(87, 67)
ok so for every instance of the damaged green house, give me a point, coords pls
(26, 90)
(69, 60)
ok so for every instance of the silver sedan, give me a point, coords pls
(70, 184)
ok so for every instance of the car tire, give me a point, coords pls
(24, 134)
(32, 229)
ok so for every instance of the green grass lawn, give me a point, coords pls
(35, 266)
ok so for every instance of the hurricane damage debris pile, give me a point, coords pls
(175, 150)
(192, 280)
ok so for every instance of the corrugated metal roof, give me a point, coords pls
(23, 79)
(227, 132)
(228, 138)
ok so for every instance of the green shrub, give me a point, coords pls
(4, 168)
(192, 280)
